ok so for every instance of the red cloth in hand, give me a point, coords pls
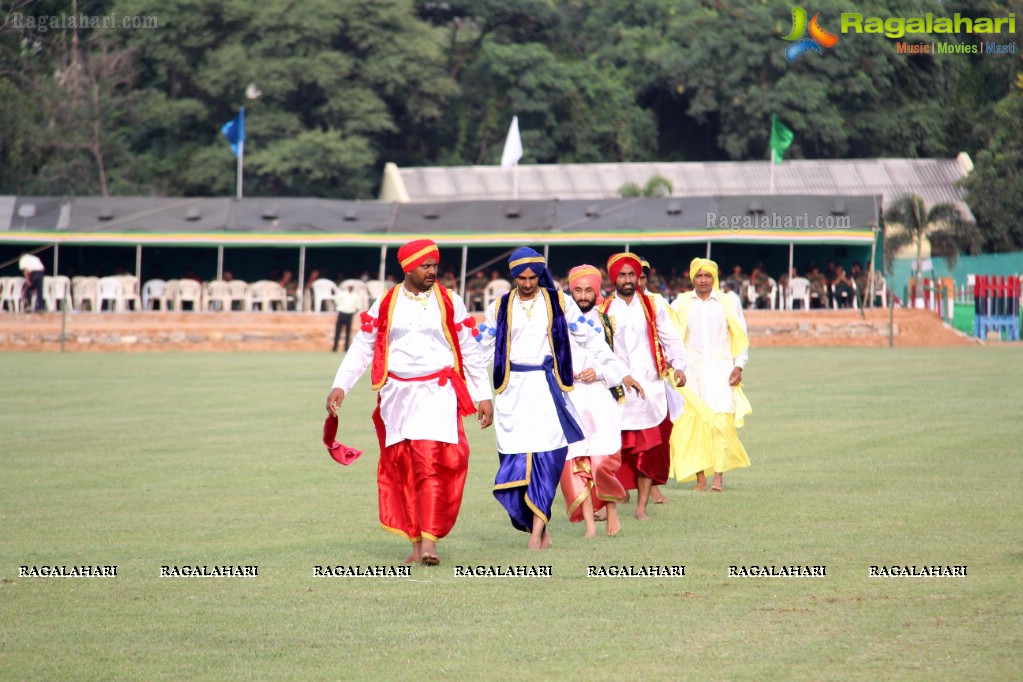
(342, 454)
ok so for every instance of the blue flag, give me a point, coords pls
(234, 131)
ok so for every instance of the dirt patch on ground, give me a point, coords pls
(186, 331)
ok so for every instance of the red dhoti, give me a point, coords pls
(594, 477)
(646, 452)
(420, 484)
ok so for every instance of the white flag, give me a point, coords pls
(512, 146)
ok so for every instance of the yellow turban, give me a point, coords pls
(705, 264)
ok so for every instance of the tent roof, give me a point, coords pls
(293, 222)
(936, 180)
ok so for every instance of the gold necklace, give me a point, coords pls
(529, 310)
(422, 299)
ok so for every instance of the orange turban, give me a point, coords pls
(413, 254)
(587, 274)
(615, 263)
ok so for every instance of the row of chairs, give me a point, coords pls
(324, 292)
(798, 291)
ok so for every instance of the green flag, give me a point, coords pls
(781, 138)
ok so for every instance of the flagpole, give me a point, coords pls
(241, 156)
(772, 170)
(515, 182)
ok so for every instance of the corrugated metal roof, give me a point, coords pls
(286, 222)
(933, 179)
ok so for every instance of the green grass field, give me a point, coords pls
(860, 457)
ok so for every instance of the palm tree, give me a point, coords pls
(943, 225)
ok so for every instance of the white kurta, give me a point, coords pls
(600, 414)
(525, 417)
(709, 349)
(418, 410)
(632, 346)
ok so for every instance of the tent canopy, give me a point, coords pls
(182, 221)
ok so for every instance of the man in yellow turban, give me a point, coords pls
(712, 326)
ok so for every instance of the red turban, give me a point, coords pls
(587, 274)
(413, 254)
(615, 263)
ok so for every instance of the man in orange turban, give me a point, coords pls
(644, 338)
(429, 371)
(588, 481)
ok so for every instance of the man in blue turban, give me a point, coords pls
(527, 330)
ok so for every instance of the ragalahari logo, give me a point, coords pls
(819, 38)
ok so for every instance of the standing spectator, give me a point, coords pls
(346, 301)
(33, 270)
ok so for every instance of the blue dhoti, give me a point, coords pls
(526, 484)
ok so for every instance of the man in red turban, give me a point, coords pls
(646, 340)
(418, 339)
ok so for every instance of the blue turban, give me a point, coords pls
(526, 258)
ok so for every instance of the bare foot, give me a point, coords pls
(641, 514)
(613, 524)
(717, 484)
(534, 544)
(428, 552)
(701, 487)
(590, 532)
(416, 554)
(657, 496)
(545, 540)
(600, 515)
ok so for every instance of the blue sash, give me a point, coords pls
(573, 432)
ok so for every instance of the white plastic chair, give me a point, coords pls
(57, 290)
(84, 290)
(799, 290)
(216, 295)
(152, 294)
(324, 291)
(239, 293)
(495, 289)
(131, 292)
(12, 293)
(169, 295)
(265, 294)
(376, 289)
(187, 291)
(110, 289)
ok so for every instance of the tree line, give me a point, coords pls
(333, 89)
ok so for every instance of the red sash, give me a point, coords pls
(465, 404)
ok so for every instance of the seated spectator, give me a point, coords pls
(474, 290)
(760, 283)
(737, 278)
(842, 289)
(818, 287)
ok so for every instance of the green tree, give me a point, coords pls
(994, 187)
